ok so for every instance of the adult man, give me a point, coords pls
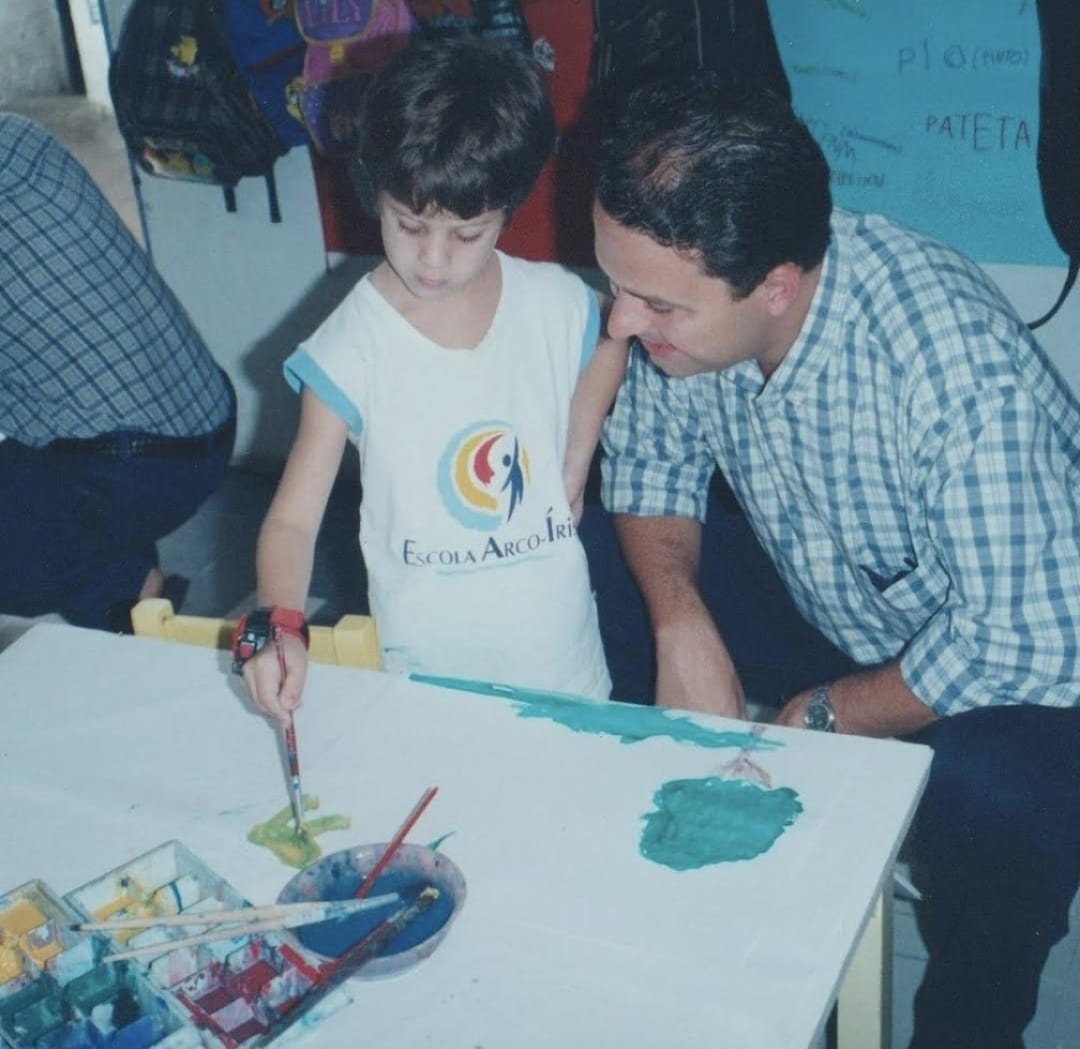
(911, 464)
(115, 421)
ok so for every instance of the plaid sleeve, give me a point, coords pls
(1003, 503)
(656, 461)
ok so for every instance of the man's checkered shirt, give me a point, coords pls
(912, 467)
(91, 339)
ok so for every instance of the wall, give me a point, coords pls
(253, 287)
(929, 113)
(87, 19)
(32, 60)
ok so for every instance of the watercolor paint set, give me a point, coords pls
(57, 992)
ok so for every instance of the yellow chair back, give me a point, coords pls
(351, 642)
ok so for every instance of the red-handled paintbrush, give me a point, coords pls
(395, 842)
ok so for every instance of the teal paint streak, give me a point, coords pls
(698, 822)
(630, 722)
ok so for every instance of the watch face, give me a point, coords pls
(819, 714)
(254, 633)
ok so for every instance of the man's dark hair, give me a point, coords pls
(458, 123)
(727, 174)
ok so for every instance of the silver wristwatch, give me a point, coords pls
(819, 714)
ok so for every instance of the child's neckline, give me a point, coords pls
(435, 321)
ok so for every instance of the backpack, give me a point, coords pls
(639, 40)
(346, 44)
(267, 46)
(1058, 150)
(183, 107)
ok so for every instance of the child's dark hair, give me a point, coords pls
(459, 124)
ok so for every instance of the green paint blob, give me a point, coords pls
(278, 834)
(631, 723)
(702, 821)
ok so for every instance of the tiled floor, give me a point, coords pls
(215, 550)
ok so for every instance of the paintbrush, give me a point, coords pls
(395, 842)
(310, 914)
(302, 912)
(296, 793)
(291, 752)
(370, 946)
(341, 968)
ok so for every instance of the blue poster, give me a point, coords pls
(928, 111)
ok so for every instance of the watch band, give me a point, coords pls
(290, 621)
(260, 625)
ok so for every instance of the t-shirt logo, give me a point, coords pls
(483, 474)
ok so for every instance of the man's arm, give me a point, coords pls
(873, 702)
(694, 669)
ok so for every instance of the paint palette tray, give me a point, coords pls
(55, 993)
(237, 991)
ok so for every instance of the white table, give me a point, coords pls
(569, 937)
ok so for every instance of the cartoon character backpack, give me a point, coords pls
(346, 45)
(183, 106)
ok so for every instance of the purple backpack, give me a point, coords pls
(347, 41)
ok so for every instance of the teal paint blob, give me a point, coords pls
(699, 822)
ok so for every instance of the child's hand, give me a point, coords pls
(277, 695)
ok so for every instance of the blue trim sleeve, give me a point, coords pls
(301, 370)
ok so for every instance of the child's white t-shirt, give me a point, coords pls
(474, 566)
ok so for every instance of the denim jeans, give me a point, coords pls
(79, 528)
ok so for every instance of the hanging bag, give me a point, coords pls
(346, 43)
(268, 48)
(182, 105)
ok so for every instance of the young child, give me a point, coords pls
(473, 386)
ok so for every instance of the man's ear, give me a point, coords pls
(782, 285)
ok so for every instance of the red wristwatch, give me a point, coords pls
(259, 626)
